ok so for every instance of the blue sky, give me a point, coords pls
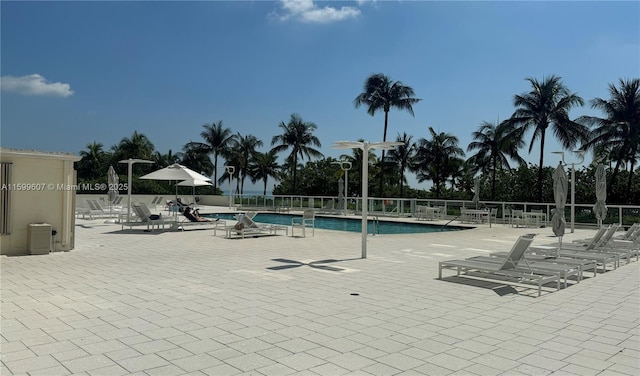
(78, 72)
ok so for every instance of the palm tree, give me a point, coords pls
(436, 158)
(217, 142)
(495, 145)
(164, 160)
(263, 166)
(619, 132)
(381, 93)
(136, 146)
(93, 161)
(297, 135)
(457, 171)
(194, 158)
(548, 104)
(244, 149)
(402, 156)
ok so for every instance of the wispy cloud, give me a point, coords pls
(307, 11)
(35, 84)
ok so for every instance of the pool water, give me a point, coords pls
(345, 224)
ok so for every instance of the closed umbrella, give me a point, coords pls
(113, 180)
(560, 188)
(476, 193)
(600, 208)
(112, 194)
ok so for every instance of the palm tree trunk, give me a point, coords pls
(294, 167)
(493, 180)
(614, 175)
(264, 193)
(402, 180)
(629, 182)
(384, 139)
(541, 162)
(215, 171)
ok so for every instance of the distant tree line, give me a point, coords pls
(437, 158)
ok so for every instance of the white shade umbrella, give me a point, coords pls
(560, 188)
(600, 208)
(175, 172)
(194, 183)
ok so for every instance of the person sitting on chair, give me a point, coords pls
(193, 216)
(181, 205)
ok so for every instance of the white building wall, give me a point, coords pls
(40, 193)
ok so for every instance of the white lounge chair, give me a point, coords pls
(246, 226)
(157, 203)
(593, 240)
(630, 233)
(147, 218)
(94, 209)
(530, 257)
(506, 268)
(607, 245)
(589, 251)
(190, 220)
(564, 270)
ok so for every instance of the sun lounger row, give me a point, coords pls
(543, 264)
(507, 269)
(603, 247)
(94, 208)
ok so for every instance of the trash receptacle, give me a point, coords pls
(39, 238)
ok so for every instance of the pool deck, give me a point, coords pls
(174, 303)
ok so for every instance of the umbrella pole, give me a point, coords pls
(559, 248)
(175, 212)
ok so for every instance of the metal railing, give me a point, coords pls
(406, 207)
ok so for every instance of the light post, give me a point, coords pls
(580, 154)
(365, 147)
(230, 170)
(130, 162)
(345, 166)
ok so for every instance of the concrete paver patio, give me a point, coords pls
(173, 303)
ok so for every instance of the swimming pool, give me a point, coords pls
(346, 224)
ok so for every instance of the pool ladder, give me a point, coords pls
(446, 224)
(376, 225)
